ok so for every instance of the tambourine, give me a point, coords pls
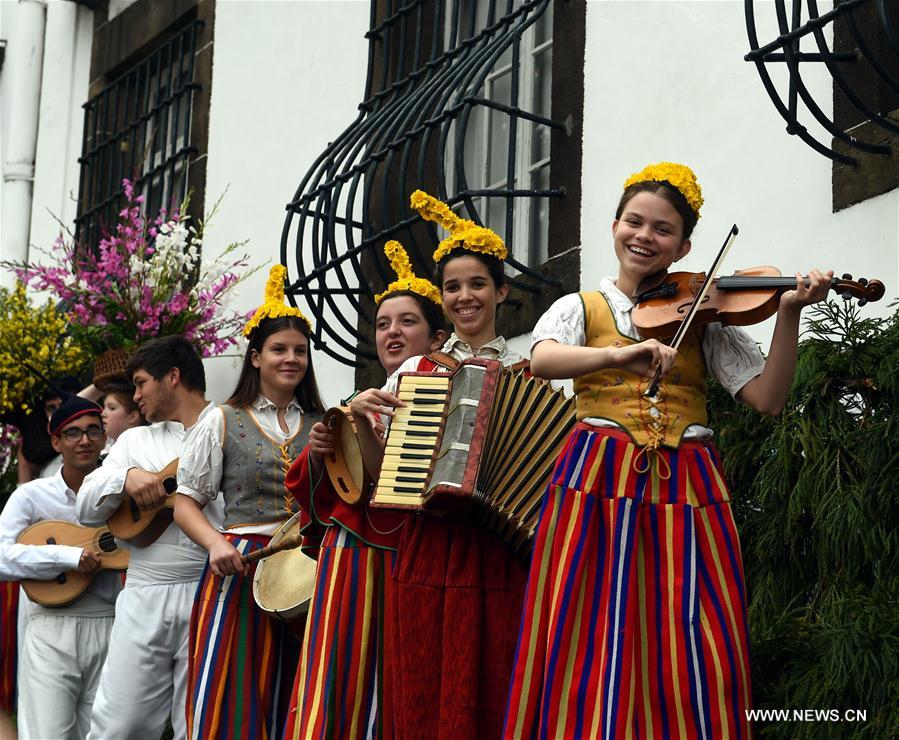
(344, 465)
(284, 582)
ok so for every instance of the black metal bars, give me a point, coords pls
(785, 50)
(138, 127)
(429, 70)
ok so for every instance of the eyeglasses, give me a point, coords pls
(73, 434)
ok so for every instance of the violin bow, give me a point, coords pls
(687, 321)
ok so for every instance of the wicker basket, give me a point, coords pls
(111, 366)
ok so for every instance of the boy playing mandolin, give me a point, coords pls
(144, 680)
(64, 647)
(635, 616)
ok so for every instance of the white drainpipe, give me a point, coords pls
(24, 63)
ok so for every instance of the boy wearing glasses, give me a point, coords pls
(64, 647)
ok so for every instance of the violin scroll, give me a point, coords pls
(863, 289)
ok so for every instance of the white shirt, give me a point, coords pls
(495, 349)
(731, 355)
(202, 462)
(174, 557)
(37, 501)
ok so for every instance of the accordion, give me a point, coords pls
(483, 436)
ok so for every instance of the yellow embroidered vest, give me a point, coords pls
(617, 395)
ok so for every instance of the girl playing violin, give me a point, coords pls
(635, 615)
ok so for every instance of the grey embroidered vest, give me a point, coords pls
(255, 467)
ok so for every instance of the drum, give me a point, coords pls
(284, 582)
(344, 466)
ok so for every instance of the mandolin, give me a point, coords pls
(70, 584)
(139, 527)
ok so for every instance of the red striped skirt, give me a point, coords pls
(9, 615)
(452, 624)
(237, 656)
(635, 615)
(338, 691)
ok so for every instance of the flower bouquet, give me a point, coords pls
(39, 336)
(144, 280)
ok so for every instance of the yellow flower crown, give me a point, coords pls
(406, 278)
(678, 175)
(274, 306)
(463, 233)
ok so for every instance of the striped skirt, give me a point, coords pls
(635, 616)
(9, 615)
(338, 691)
(237, 655)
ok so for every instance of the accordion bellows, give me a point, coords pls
(483, 436)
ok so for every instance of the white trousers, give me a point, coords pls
(144, 680)
(59, 669)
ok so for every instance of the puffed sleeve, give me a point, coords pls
(732, 356)
(202, 460)
(563, 321)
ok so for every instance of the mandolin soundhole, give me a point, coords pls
(107, 542)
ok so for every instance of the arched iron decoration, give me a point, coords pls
(785, 50)
(428, 61)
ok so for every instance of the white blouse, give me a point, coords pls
(495, 349)
(731, 355)
(202, 460)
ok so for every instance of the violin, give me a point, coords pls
(744, 298)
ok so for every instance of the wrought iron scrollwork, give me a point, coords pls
(876, 62)
(427, 65)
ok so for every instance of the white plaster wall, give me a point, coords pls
(64, 87)
(287, 79)
(666, 80)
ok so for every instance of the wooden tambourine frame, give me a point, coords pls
(345, 467)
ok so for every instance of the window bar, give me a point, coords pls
(809, 101)
(793, 98)
(757, 55)
(512, 152)
(163, 116)
(176, 82)
(855, 100)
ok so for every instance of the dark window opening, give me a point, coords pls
(139, 127)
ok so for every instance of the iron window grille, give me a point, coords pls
(861, 68)
(431, 100)
(138, 127)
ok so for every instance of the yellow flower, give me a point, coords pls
(406, 278)
(678, 175)
(274, 306)
(463, 232)
(37, 336)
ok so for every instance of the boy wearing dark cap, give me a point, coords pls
(64, 647)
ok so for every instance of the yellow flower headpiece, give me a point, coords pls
(406, 278)
(274, 306)
(463, 233)
(679, 175)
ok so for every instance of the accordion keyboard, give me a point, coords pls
(414, 437)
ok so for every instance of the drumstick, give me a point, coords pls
(288, 543)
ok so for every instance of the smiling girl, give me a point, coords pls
(339, 686)
(456, 588)
(244, 450)
(635, 615)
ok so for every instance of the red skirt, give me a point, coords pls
(9, 615)
(452, 626)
